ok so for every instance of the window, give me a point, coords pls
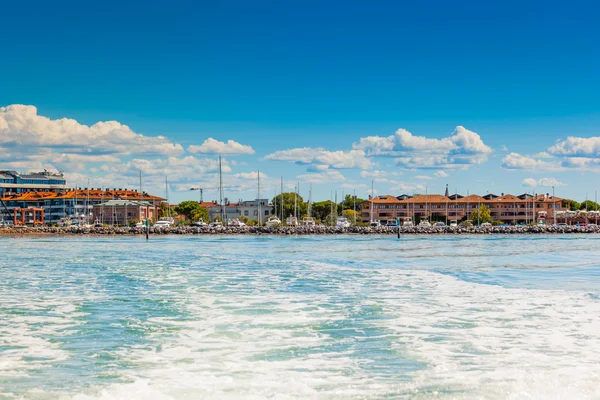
(266, 212)
(255, 212)
(246, 213)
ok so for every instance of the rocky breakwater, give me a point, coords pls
(301, 230)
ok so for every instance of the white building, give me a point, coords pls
(249, 209)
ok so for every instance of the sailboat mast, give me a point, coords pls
(221, 190)
(258, 198)
(336, 204)
(275, 202)
(167, 196)
(372, 199)
(310, 200)
(140, 184)
(354, 206)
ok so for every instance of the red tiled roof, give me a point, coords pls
(93, 194)
(384, 199)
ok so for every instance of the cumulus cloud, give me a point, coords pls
(572, 153)
(441, 174)
(21, 126)
(516, 161)
(576, 147)
(461, 149)
(543, 182)
(530, 182)
(373, 174)
(212, 146)
(549, 182)
(322, 177)
(251, 175)
(323, 159)
(409, 188)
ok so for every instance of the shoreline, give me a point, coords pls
(288, 230)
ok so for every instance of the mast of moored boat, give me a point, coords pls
(258, 198)
(372, 200)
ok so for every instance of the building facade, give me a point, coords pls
(251, 209)
(124, 212)
(70, 203)
(12, 182)
(506, 208)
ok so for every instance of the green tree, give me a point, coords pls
(162, 210)
(348, 202)
(321, 209)
(589, 205)
(352, 216)
(200, 214)
(481, 215)
(330, 220)
(187, 208)
(571, 204)
(288, 205)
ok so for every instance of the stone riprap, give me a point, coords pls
(301, 230)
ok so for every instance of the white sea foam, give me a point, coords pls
(522, 344)
(337, 324)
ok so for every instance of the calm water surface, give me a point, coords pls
(339, 317)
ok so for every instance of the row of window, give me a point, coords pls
(247, 213)
(468, 205)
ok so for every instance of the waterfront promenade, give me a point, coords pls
(301, 230)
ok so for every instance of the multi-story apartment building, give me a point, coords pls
(13, 182)
(250, 209)
(70, 203)
(506, 208)
(123, 212)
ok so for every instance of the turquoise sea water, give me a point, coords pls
(334, 317)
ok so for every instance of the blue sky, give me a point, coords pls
(316, 77)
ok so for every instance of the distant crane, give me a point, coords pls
(201, 190)
(201, 193)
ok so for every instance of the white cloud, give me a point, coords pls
(461, 149)
(22, 127)
(549, 182)
(323, 159)
(251, 175)
(423, 177)
(322, 177)
(408, 188)
(441, 174)
(373, 174)
(576, 147)
(530, 182)
(212, 146)
(543, 182)
(516, 161)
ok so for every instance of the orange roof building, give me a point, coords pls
(72, 202)
(506, 208)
